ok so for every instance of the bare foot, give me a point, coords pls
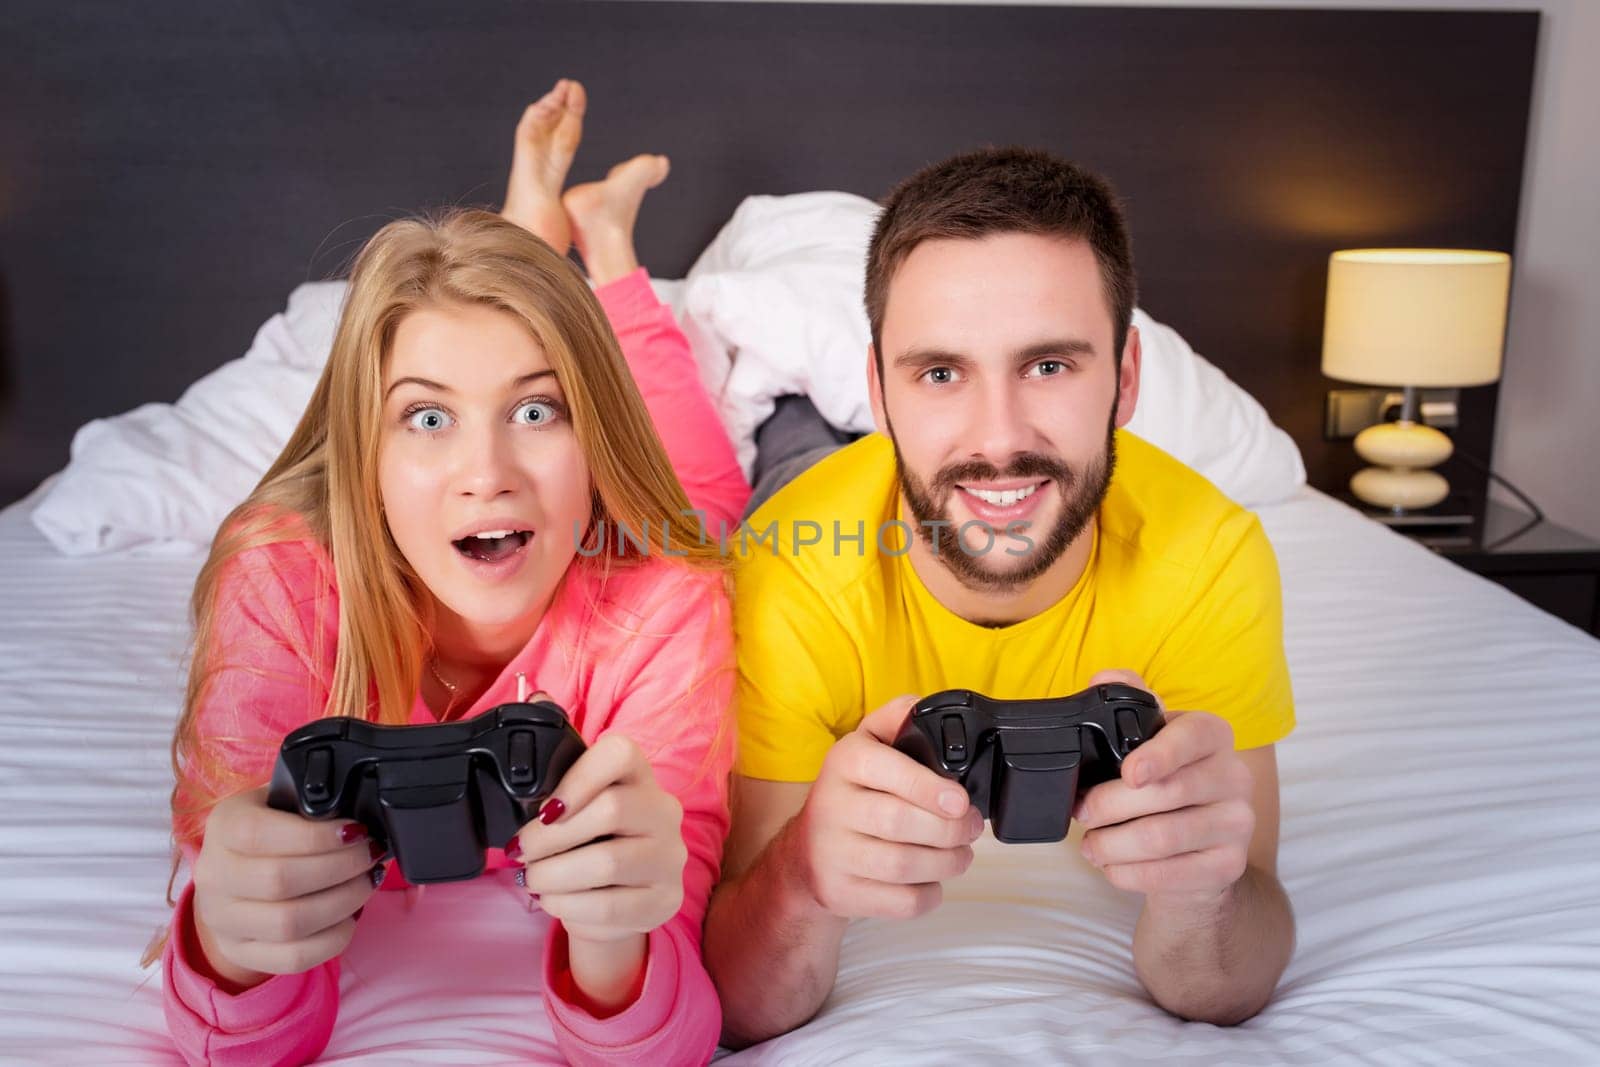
(603, 215)
(547, 139)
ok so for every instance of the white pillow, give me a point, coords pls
(163, 476)
(781, 289)
(1190, 409)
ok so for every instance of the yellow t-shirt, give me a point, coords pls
(1181, 586)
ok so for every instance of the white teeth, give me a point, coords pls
(1005, 499)
(493, 535)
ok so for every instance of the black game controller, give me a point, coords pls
(436, 794)
(1024, 763)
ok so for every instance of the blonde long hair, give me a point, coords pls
(326, 475)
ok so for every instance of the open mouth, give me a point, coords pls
(492, 546)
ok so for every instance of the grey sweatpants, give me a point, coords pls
(794, 437)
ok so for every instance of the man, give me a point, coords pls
(1001, 534)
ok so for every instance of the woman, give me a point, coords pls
(414, 556)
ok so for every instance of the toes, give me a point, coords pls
(577, 101)
(538, 119)
(559, 111)
(569, 128)
(541, 115)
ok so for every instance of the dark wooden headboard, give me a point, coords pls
(169, 171)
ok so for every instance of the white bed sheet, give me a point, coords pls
(1441, 844)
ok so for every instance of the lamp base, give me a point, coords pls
(1399, 489)
(1404, 451)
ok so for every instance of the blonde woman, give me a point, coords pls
(432, 533)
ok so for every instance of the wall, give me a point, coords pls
(1547, 437)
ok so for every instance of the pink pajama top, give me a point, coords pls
(646, 650)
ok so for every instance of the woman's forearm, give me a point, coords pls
(607, 974)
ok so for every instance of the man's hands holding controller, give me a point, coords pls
(879, 832)
(1178, 821)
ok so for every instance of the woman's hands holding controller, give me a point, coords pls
(605, 857)
(275, 893)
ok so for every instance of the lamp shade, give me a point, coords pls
(1416, 316)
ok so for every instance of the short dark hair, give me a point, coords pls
(1003, 190)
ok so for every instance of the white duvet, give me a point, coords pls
(1441, 815)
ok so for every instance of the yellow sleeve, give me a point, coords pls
(798, 672)
(1224, 653)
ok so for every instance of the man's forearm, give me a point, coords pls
(772, 951)
(1218, 962)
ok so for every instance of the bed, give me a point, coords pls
(1440, 804)
(1440, 813)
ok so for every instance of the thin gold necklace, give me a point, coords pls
(433, 665)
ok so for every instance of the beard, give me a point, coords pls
(1082, 490)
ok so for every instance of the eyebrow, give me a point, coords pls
(440, 387)
(938, 357)
(1072, 346)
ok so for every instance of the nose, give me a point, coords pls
(1000, 429)
(485, 463)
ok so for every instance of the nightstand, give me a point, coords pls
(1547, 565)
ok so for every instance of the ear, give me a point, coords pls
(1128, 380)
(880, 419)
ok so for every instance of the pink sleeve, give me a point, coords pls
(669, 379)
(275, 625)
(674, 701)
(275, 621)
(284, 1020)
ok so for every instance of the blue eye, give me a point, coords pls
(941, 375)
(428, 419)
(535, 412)
(1049, 367)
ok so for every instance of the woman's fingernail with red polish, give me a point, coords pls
(514, 850)
(553, 809)
(351, 832)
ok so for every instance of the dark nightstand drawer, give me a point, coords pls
(1550, 566)
(1567, 596)
(1547, 565)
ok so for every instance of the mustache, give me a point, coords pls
(1027, 465)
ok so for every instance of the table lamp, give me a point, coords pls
(1414, 318)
